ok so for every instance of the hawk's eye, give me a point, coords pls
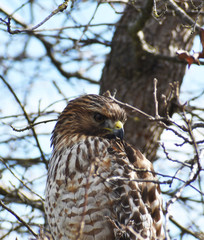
(99, 117)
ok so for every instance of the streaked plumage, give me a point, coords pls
(98, 186)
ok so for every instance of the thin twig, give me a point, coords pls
(183, 15)
(155, 99)
(185, 230)
(134, 109)
(2, 160)
(18, 218)
(87, 26)
(60, 8)
(32, 125)
(28, 120)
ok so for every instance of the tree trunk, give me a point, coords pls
(142, 49)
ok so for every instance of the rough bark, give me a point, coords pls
(142, 49)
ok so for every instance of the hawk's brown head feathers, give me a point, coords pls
(90, 115)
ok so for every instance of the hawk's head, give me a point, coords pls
(90, 115)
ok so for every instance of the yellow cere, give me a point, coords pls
(118, 125)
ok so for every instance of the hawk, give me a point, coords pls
(99, 187)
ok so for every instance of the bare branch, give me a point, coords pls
(2, 160)
(60, 8)
(18, 218)
(183, 15)
(27, 118)
(155, 99)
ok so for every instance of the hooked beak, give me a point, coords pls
(116, 129)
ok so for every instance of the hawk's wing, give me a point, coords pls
(138, 203)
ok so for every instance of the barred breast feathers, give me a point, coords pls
(99, 187)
